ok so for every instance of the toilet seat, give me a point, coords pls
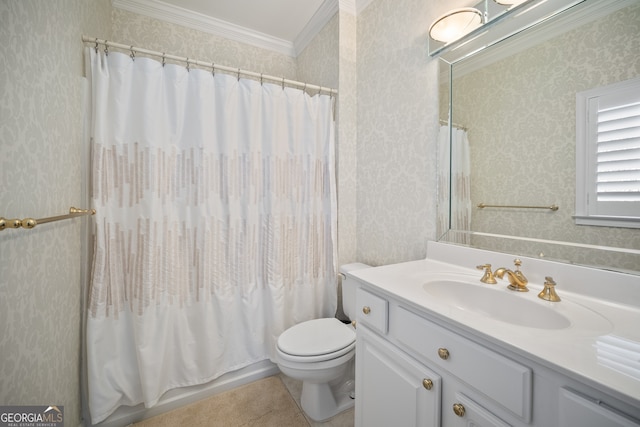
(316, 340)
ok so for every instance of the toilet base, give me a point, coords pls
(327, 384)
(321, 401)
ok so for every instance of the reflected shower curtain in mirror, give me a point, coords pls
(454, 184)
(215, 224)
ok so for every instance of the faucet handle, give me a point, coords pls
(549, 291)
(488, 274)
(517, 262)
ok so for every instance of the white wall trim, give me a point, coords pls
(178, 15)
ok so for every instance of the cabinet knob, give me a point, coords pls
(458, 409)
(366, 309)
(443, 353)
(427, 383)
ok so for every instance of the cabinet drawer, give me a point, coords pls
(580, 411)
(499, 378)
(472, 414)
(372, 310)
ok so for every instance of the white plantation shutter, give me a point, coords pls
(608, 155)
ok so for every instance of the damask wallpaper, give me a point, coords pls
(521, 114)
(41, 170)
(347, 141)
(387, 124)
(397, 131)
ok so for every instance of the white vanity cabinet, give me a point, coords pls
(392, 388)
(415, 370)
(503, 385)
(412, 372)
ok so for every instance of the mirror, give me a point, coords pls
(516, 99)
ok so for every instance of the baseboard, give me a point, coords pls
(177, 398)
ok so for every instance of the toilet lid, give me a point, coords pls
(316, 337)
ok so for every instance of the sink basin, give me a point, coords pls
(499, 304)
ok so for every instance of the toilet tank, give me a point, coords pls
(349, 286)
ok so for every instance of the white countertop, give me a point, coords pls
(596, 322)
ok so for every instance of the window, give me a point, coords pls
(608, 155)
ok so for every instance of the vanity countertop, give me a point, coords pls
(601, 324)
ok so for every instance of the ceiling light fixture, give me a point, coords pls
(455, 24)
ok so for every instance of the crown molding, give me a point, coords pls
(325, 12)
(178, 15)
(323, 15)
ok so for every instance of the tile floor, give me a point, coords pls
(199, 413)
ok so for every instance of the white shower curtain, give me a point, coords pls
(454, 184)
(215, 225)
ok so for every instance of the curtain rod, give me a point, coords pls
(211, 65)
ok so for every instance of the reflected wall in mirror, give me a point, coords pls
(520, 116)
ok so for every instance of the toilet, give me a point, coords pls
(321, 354)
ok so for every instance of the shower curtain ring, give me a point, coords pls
(132, 55)
(164, 59)
(213, 69)
(106, 48)
(188, 66)
(96, 45)
(238, 74)
(261, 80)
(283, 83)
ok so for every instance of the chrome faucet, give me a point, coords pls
(517, 281)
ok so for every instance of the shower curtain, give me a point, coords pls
(454, 184)
(215, 225)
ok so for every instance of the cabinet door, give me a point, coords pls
(392, 389)
(578, 411)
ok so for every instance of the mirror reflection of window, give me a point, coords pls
(518, 100)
